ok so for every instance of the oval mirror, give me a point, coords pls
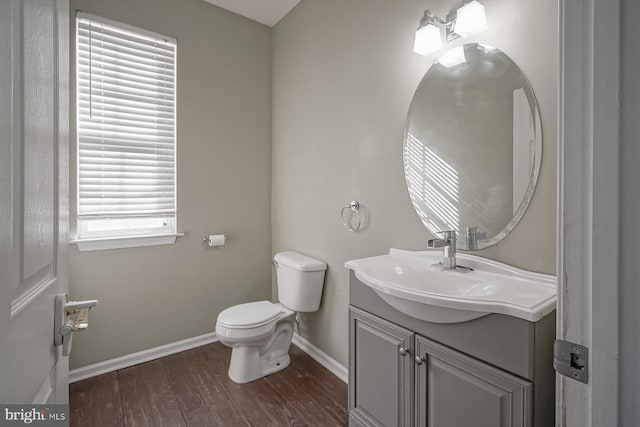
(473, 145)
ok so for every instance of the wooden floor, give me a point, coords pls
(192, 389)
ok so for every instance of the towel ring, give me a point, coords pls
(354, 205)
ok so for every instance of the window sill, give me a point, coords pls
(104, 243)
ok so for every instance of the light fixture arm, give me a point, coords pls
(431, 18)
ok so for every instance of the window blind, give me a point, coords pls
(126, 96)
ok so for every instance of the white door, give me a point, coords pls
(33, 197)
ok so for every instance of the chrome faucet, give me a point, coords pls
(448, 243)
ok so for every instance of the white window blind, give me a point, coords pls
(126, 118)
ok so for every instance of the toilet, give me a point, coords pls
(260, 333)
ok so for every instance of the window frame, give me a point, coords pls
(152, 233)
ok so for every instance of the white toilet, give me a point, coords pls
(260, 332)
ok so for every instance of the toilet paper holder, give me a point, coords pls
(209, 239)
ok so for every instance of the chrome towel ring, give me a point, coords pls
(354, 206)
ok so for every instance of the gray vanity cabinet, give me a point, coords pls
(454, 390)
(494, 371)
(382, 378)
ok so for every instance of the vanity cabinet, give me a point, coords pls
(382, 377)
(455, 390)
(495, 371)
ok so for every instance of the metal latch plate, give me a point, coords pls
(571, 360)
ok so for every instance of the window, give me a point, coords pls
(126, 123)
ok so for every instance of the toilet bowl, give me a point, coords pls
(260, 332)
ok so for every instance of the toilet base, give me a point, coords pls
(273, 366)
(246, 366)
(252, 362)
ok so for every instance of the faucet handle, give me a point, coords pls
(448, 239)
(448, 234)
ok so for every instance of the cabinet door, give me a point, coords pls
(454, 390)
(381, 372)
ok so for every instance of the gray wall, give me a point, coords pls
(156, 295)
(344, 75)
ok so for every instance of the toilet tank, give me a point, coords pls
(300, 280)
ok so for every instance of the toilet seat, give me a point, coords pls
(250, 315)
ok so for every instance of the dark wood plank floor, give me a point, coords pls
(192, 389)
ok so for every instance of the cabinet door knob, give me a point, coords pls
(403, 351)
(420, 360)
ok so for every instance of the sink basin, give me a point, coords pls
(408, 281)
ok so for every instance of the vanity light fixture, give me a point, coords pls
(468, 19)
(427, 38)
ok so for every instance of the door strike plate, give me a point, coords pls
(571, 360)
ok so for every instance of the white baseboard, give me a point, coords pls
(321, 357)
(139, 357)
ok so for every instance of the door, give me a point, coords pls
(33, 197)
(381, 374)
(454, 390)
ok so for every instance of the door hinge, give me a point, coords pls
(571, 360)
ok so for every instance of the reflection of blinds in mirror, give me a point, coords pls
(126, 95)
(434, 183)
(523, 146)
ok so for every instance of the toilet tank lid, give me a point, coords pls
(299, 261)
